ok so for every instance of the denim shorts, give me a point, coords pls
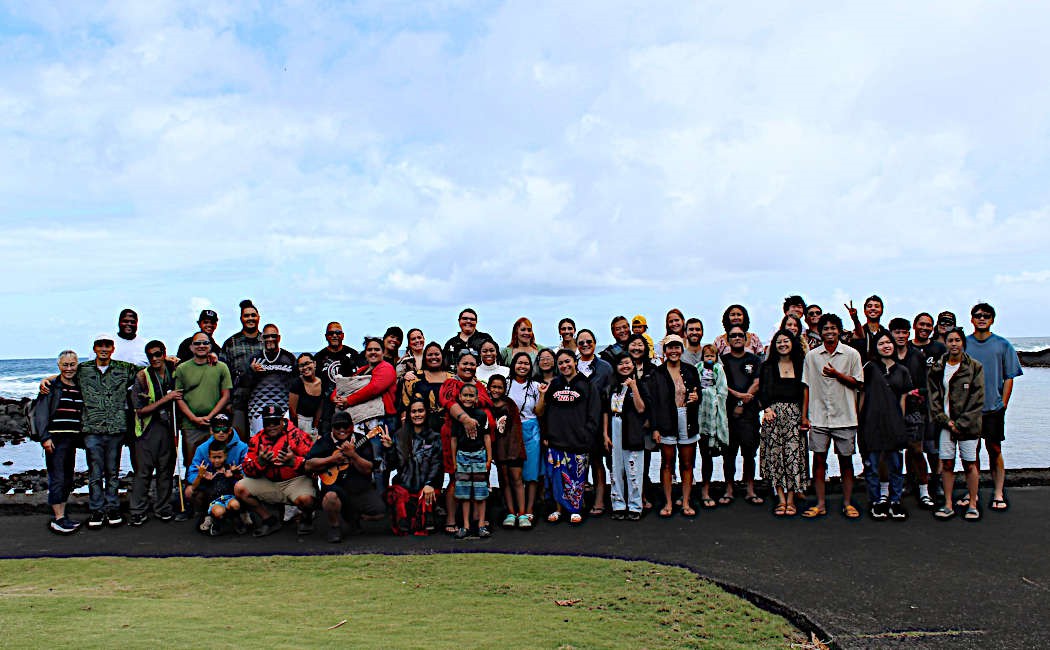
(682, 437)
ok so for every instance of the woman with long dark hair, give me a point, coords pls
(545, 371)
(425, 384)
(737, 316)
(626, 431)
(783, 453)
(417, 459)
(524, 391)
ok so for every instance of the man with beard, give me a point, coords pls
(272, 372)
(694, 334)
(206, 322)
(238, 351)
(469, 337)
(333, 361)
(130, 346)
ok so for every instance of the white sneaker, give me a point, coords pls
(290, 513)
(206, 524)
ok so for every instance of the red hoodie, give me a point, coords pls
(384, 383)
(292, 439)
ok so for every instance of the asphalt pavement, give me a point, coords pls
(922, 583)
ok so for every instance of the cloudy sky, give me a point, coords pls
(392, 162)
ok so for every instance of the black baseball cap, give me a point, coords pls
(272, 412)
(946, 318)
(220, 421)
(342, 420)
(208, 314)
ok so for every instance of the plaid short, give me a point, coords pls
(472, 481)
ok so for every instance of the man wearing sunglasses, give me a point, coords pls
(153, 449)
(206, 322)
(333, 361)
(272, 372)
(205, 392)
(813, 337)
(1001, 366)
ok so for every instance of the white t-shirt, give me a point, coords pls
(949, 372)
(525, 399)
(484, 372)
(132, 351)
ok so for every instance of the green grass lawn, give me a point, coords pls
(434, 601)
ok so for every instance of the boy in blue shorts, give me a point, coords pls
(215, 480)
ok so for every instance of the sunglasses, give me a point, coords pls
(201, 343)
(334, 333)
(220, 429)
(306, 365)
(982, 315)
(159, 354)
(270, 337)
(103, 343)
(272, 421)
(814, 312)
(736, 336)
(585, 342)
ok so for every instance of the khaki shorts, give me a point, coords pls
(845, 440)
(279, 491)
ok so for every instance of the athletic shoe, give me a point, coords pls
(114, 519)
(524, 522)
(185, 515)
(290, 513)
(63, 526)
(461, 533)
(484, 532)
(206, 524)
(634, 516)
(268, 527)
(137, 519)
(926, 502)
(306, 523)
(880, 510)
(510, 521)
(163, 516)
(96, 521)
(897, 512)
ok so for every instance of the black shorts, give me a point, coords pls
(743, 433)
(993, 425)
(357, 503)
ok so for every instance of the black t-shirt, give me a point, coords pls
(463, 441)
(455, 345)
(308, 404)
(329, 366)
(740, 374)
(220, 486)
(350, 479)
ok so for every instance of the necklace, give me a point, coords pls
(268, 359)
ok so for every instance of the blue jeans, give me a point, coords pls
(60, 469)
(894, 462)
(103, 457)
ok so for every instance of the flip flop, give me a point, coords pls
(666, 512)
(708, 503)
(790, 510)
(726, 500)
(994, 505)
(754, 499)
(688, 512)
(944, 514)
(963, 502)
(780, 510)
(972, 514)
(597, 512)
(849, 511)
(813, 512)
(451, 529)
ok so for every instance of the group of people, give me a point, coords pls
(268, 436)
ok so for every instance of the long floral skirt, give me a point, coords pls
(783, 455)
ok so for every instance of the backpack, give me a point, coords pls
(29, 410)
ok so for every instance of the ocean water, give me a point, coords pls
(1026, 443)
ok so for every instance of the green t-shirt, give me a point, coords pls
(202, 385)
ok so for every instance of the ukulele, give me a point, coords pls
(331, 475)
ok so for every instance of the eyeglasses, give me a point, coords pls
(585, 342)
(306, 365)
(159, 354)
(270, 337)
(334, 333)
(982, 315)
(735, 336)
(201, 343)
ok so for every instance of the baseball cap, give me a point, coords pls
(639, 320)
(272, 412)
(208, 314)
(219, 421)
(342, 420)
(946, 317)
(672, 339)
(104, 336)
